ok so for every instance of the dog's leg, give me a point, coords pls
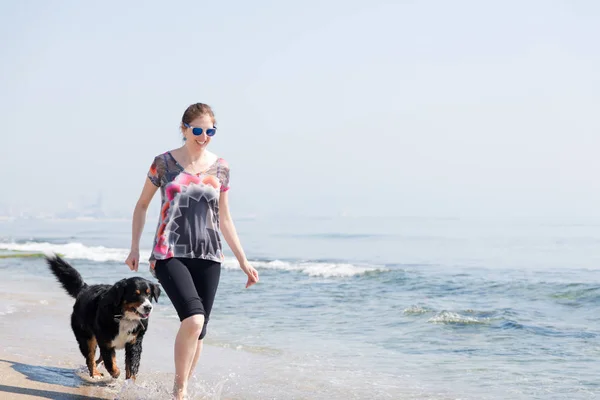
(133, 354)
(99, 360)
(110, 360)
(87, 346)
(88, 349)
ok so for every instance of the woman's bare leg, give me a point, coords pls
(186, 352)
(196, 357)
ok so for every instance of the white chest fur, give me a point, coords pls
(126, 326)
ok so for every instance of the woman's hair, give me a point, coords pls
(197, 110)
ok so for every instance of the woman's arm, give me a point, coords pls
(138, 222)
(231, 237)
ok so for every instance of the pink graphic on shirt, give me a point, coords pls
(186, 179)
(172, 190)
(161, 246)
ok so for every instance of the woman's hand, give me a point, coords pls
(251, 272)
(133, 260)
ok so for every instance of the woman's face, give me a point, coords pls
(201, 141)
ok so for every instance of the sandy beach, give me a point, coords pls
(30, 380)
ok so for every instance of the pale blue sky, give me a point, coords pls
(443, 108)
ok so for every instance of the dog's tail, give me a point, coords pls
(68, 276)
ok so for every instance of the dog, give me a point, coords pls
(110, 317)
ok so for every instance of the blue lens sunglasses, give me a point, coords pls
(200, 131)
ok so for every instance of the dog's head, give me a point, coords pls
(134, 296)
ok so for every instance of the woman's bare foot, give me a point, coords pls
(179, 393)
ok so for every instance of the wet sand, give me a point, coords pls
(30, 380)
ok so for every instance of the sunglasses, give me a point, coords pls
(200, 131)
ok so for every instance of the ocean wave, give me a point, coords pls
(76, 250)
(449, 317)
(7, 309)
(322, 269)
(577, 294)
(340, 236)
(416, 310)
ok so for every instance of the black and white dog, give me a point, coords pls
(108, 316)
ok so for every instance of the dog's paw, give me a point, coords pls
(96, 374)
(115, 373)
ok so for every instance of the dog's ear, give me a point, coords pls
(117, 292)
(155, 292)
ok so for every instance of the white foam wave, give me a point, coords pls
(75, 250)
(414, 309)
(448, 317)
(316, 269)
(8, 309)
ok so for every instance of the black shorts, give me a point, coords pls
(191, 284)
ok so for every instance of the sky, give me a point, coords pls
(324, 108)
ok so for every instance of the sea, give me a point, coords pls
(346, 308)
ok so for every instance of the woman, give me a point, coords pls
(187, 253)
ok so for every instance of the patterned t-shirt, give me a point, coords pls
(188, 224)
